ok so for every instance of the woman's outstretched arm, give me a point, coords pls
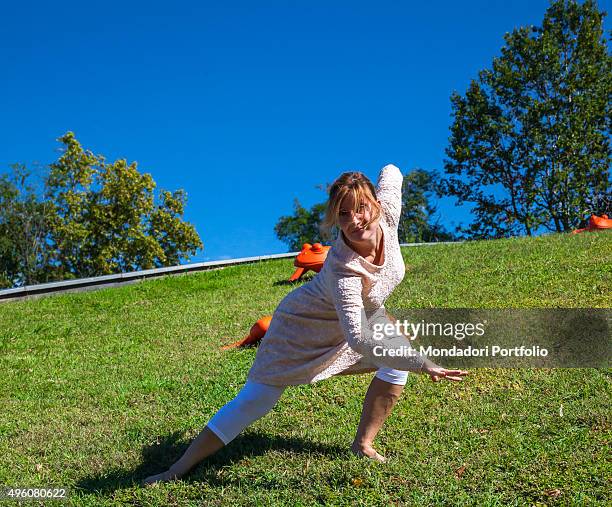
(364, 332)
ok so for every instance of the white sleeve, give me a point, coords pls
(358, 330)
(389, 192)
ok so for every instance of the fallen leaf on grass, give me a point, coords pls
(481, 431)
(553, 493)
(459, 471)
(358, 481)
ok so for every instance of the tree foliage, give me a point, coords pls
(530, 140)
(302, 227)
(418, 223)
(23, 230)
(93, 218)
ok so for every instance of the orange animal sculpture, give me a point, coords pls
(311, 257)
(257, 332)
(596, 223)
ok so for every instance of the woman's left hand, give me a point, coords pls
(438, 373)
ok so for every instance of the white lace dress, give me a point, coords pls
(316, 329)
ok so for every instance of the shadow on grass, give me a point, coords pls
(285, 282)
(159, 457)
(300, 281)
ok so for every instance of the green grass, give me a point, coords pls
(101, 389)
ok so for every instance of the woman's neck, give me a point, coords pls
(367, 249)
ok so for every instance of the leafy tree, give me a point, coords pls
(9, 259)
(106, 219)
(23, 230)
(417, 223)
(530, 139)
(302, 227)
(93, 218)
(73, 225)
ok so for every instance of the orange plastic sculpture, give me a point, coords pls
(311, 257)
(257, 332)
(596, 223)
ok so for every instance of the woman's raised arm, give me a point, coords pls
(389, 192)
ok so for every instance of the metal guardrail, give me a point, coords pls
(116, 280)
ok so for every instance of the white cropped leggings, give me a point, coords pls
(255, 400)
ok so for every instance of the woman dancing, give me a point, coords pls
(316, 330)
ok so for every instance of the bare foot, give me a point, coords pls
(163, 477)
(367, 451)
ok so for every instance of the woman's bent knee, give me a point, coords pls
(263, 394)
(251, 403)
(393, 376)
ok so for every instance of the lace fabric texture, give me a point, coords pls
(316, 330)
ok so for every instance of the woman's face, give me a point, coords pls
(351, 222)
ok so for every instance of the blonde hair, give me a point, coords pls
(363, 191)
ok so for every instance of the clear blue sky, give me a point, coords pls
(247, 105)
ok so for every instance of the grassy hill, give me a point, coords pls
(101, 389)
